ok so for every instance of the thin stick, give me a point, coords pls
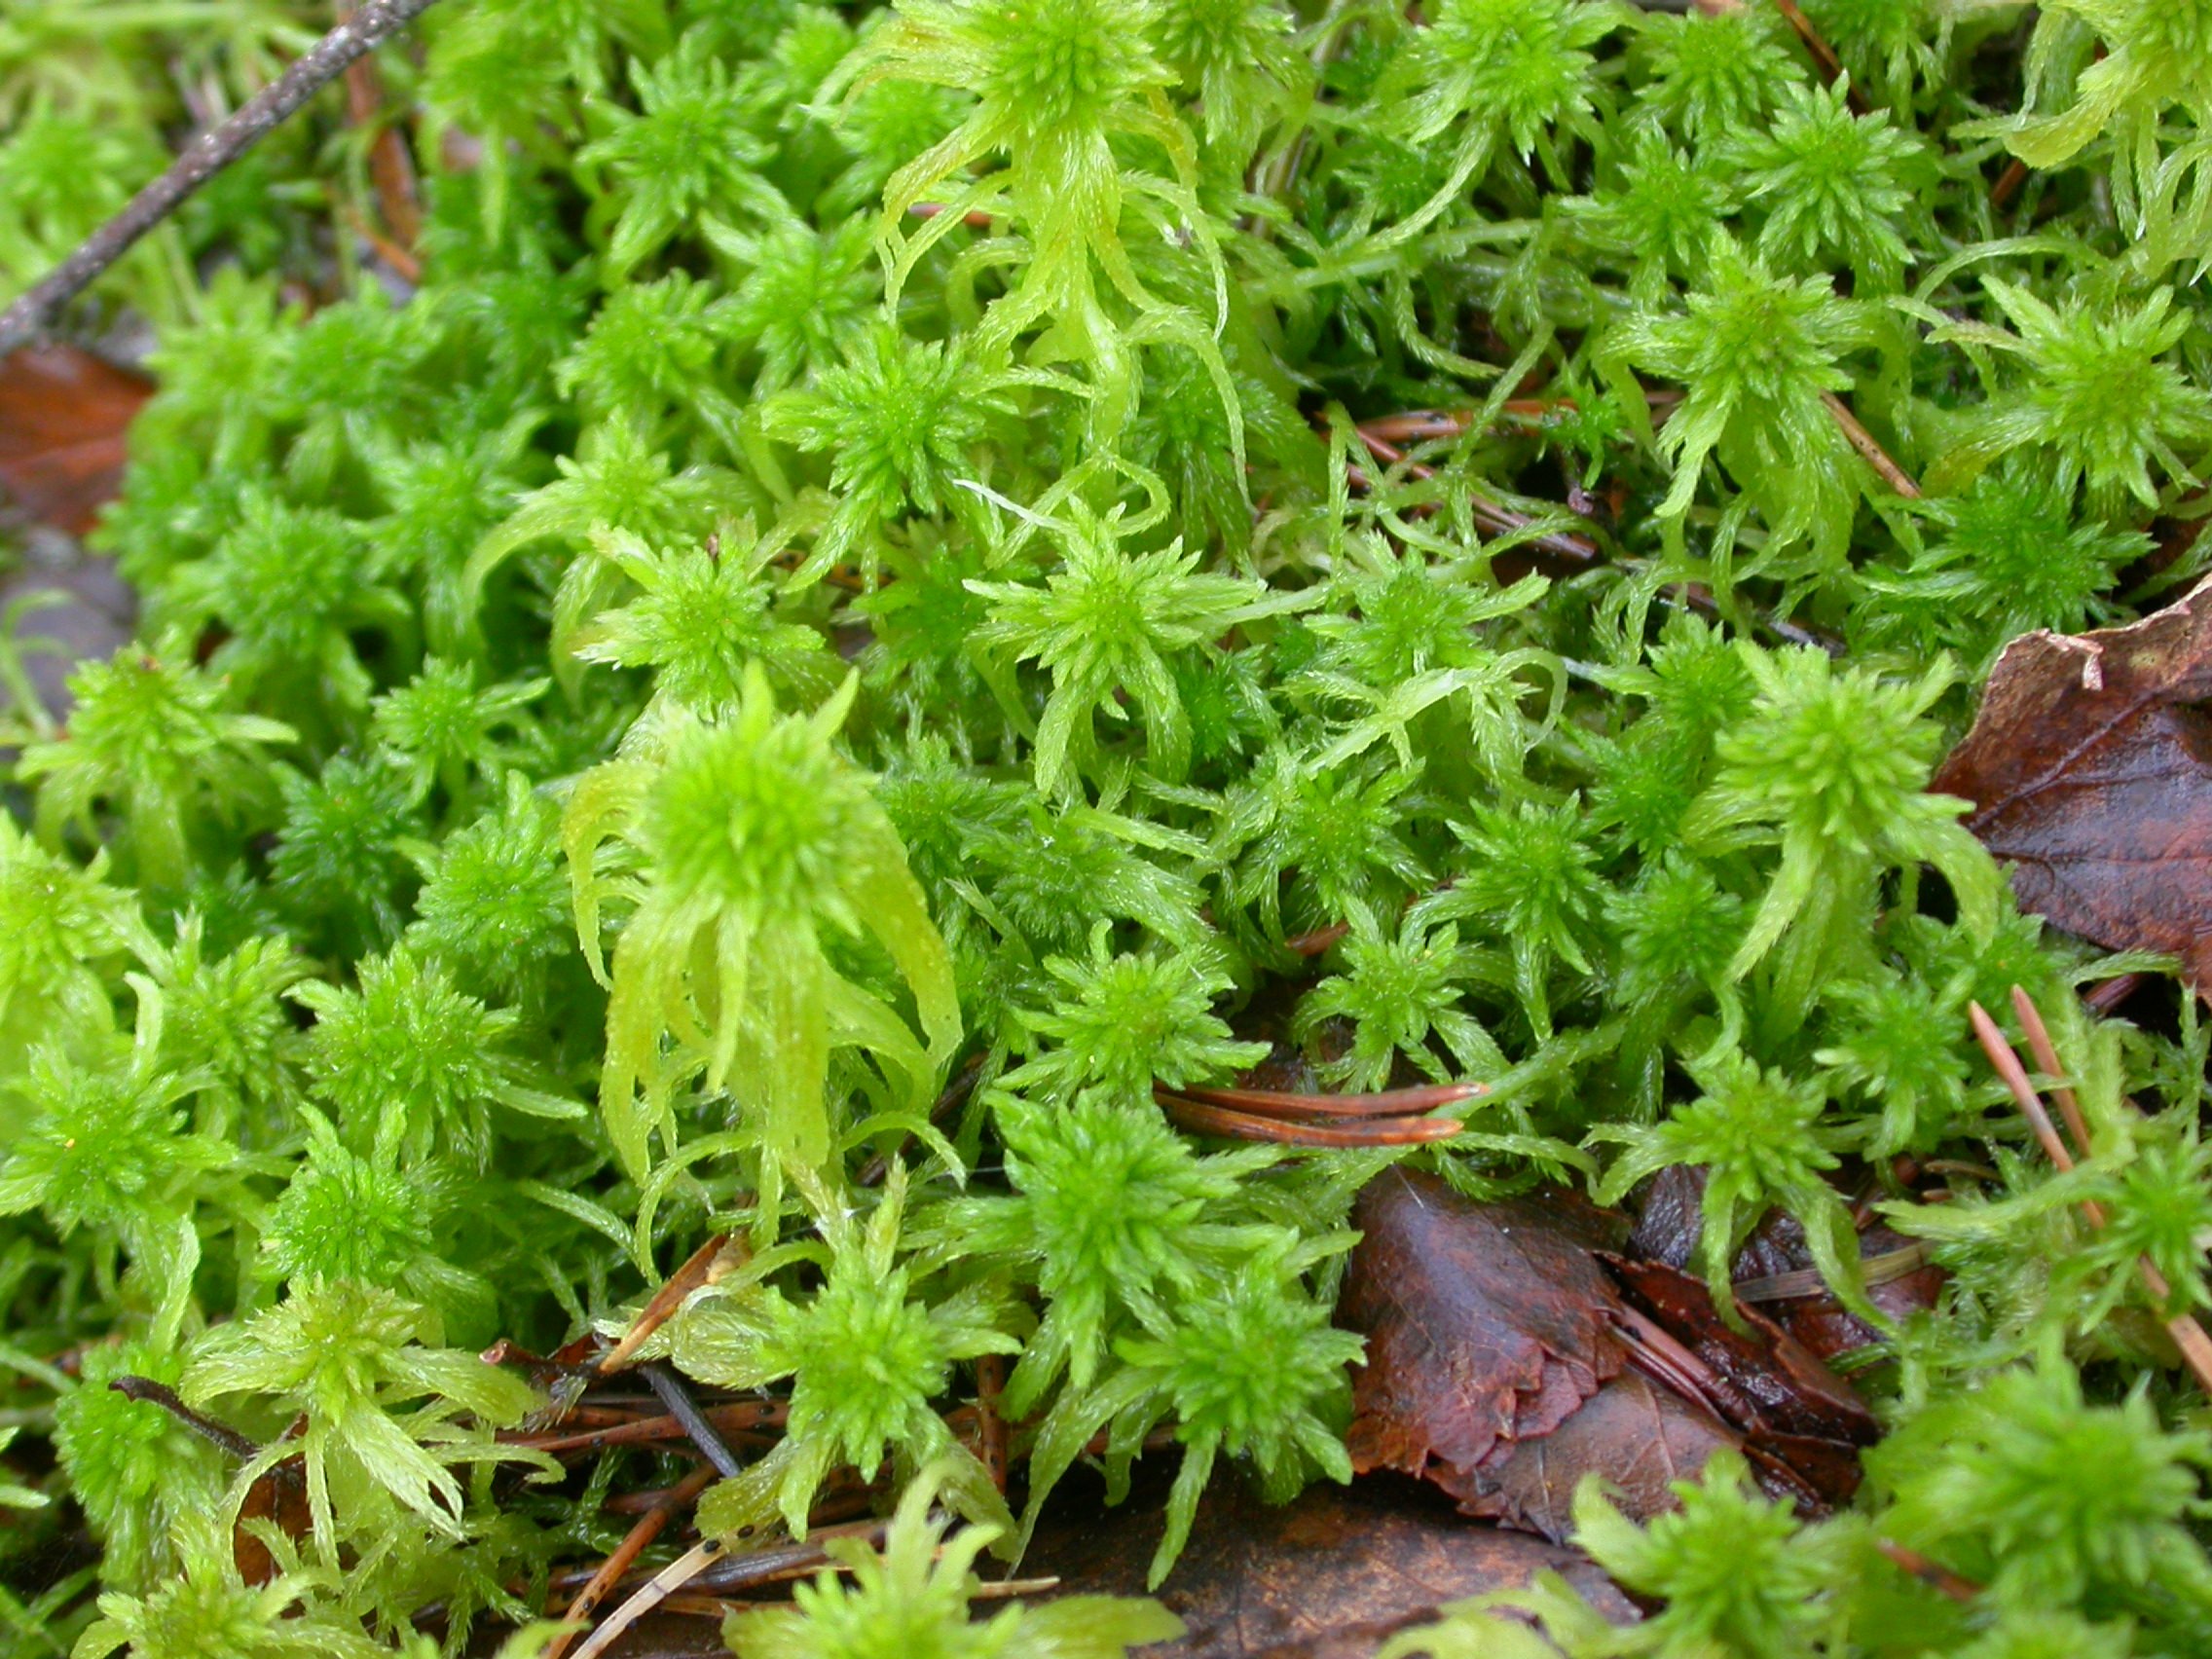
(2045, 1052)
(2108, 994)
(2009, 183)
(719, 1257)
(1276, 1103)
(1245, 1126)
(2015, 1076)
(656, 1590)
(1318, 940)
(2188, 1335)
(1936, 1576)
(990, 1426)
(743, 1417)
(219, 1435)
(610, 1570)
(955, 1096)
(390, 170)
(685, 1411)
(1864, 441)
(206, 156)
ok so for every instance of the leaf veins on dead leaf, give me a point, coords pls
(1505, 1363)
(2089, 768)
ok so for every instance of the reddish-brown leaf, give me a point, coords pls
(1483, 1323)
(1667, 1230)
(63, 414)
(1773, 1382)
(2089, 767)
(1330, 1575)
(1505, 1362)
(281, 1497)
(1637, 1434)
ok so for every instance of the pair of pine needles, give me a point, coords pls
(2188, 1335)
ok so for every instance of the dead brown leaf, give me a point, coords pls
(1511, 1351)
(63, 417)
(2090, 766)
(1638, 1434)
(1777, 1256)
(1483, 1323)
(1327, 1576)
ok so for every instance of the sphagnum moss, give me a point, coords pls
(962, 546)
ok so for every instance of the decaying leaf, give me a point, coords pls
(1483, 1323)
(1774, 1270)
(1636, 1434)
(1327, 1576)
(63, 414)
(1512, 1351)
(1773, 1382)
(2089, 767)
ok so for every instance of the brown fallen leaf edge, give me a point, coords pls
(2089, 768)
(1518, 1346)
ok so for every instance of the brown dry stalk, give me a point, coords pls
(610, 1570)
(2188, 1335)
(955, 1096)
(1936, 1576)
(1864, 441)
(715, 1259)
(2045, 1052)
(1206, 1119)
(1577, 550)
(990, 1424)
(391, 170)
(656, 1590)
(740, 1417)
(217, 1434)
(1279, 1103)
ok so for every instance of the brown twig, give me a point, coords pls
(713, 1260)
(206, 156)
(955, 1096)
(1317, 943)
(1936, 1576)
(1882, 1268)
(219, 1435)
(779, 1562)
(2188, 1335)
(1278, 1103)
(1490, 515)
(609, 1572)
(651, 1594)
(2015, 1078)
(2045, 1052)
(739, 1418)
(1865, 442)
(1207, 1119)
(391, 171)
(2009, 183)
(2108, 994)
(1824, 55)
(1572, 550)
(990, 1383)
(405, 264)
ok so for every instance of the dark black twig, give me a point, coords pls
(217, 1434)
(685, 1411)
(207, 155)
